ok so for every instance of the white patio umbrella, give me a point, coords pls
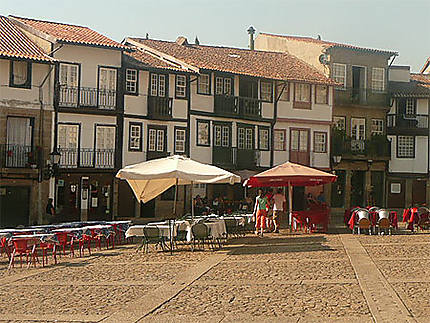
(150, 179)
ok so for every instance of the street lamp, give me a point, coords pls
(337, 159)
(55, 157)
(52, 168)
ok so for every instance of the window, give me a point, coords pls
(279, 137)
(68, 136)
(135, 137)
(245, 138)
(339, 74)
(302, 92)
(156, 139)
(377, 127)
(411, 106)
(339, 123)
(266, 91)
(299, 140)
(105, 137)
(405, 147)
(202, 133)
(20, 132)
(358, 128)
(181, 86)
(378, 79)
(180, 140)
(158, 85)
(320, 142)
(152, 139)
(105, 148)
(263, 138)
(221, 136)
(69, 75)
(131, 81)
(203, 84)
(106, 89)
(285, 94)
(321, 94)
(223, 85)
(20, 74)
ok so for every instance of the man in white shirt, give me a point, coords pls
(279, 202)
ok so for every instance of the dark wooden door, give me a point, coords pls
(357, 188)
(157, 142)
(248, 88)
(14, 206)
(300, 146)
(245, 158)
(419, 192)
(396, 194)
(377, 192)
(222, 153)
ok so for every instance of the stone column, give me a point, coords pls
(115, 195)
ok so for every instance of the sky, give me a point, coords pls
(398, 25)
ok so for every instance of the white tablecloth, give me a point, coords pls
(137, 230)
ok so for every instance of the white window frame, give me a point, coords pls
(225, 136)
(378, 83)
(180, 140)
(131, 80)
(320, 142)
(263, 139)
(181, 86)
(410, 106)
(135, 137)
(360, 133)
(160, 140)
(339, 125)
(152, 139)
(203, 84)
(203, 125)
(279, 139)
(338, 75)
(266, 91)
(321, 87)
(158, 85)
(302, 92)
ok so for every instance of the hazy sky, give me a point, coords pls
(403, 26)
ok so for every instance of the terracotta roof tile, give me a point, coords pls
(330, 44)
(145, 59)
(71, 33)
(419, 86)
(15, 44)
(270, 65)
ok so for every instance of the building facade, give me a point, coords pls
(26, 118)
(360, 149)
(408, 130)
(88, 103)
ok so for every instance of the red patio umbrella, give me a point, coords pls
(290, 174)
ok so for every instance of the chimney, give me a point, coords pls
(251, 32)
(147, 36)
(197, 41)
(181, 40)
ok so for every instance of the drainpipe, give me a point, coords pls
(41, 152)
(275, 116)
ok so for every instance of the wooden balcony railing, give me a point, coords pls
(237, 106)
(408, 121)
(378, 147)
(160, 107)
(361, 96)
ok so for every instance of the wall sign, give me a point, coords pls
(396, 188)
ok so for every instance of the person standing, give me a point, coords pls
(279, 203)
(50, 210)
(260, 211)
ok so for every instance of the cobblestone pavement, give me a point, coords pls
(278, 278)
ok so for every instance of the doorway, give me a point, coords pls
(299, 146)
(14, 206)
(359, 84)
(357, 188)
(419, 192)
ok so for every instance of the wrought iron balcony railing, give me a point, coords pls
(408, 121)
(361, 96)
(375, 148)
(75, 97)
(160, 107)
(17, 156)
(86, 158)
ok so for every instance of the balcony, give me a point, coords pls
(233, 158)
(17, 156)
(85, 97)
(228, 105)
(160, 107)
(415, 124)
(87, 158)
(360, 96)
(379, 148)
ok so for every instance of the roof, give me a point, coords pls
(425, 66)
(330, 44)
(263, 64)
(419, 86)
(72, 34)
(144, 59)
(15, 44)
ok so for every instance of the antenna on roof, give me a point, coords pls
(197, 41)
(147, 36)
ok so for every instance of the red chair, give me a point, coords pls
(21, 247)
(64, 242)
(45, 246)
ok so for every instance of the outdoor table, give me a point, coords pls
(164, 228)
(23, 230)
